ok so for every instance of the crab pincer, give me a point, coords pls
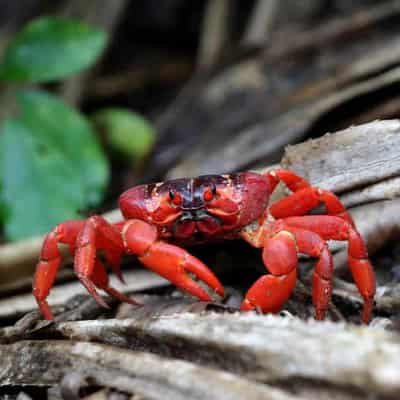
(168, 260)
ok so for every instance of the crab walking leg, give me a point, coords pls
(49, 261)
(109, 240)
(304, 198)
(313, 245)
(167, 260)
(335, 228)
(89, 270)
(270, 292)
(101, 280)
(112, 254)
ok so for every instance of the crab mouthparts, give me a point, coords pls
(194, 215)
(197, 221)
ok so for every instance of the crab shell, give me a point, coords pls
(208, 206)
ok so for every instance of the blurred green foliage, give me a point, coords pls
(51, 163)
(66, 134)
(51, 48)
(127, 133)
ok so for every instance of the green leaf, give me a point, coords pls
(70, 134)
(3, 206)
(51, 48)
(51, 166)
(36, 184)
(126, 132)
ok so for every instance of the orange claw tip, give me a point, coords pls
(246, 305)
(45, 310)
(92, 291)
(319, 315)
(118, 274)
(367, 310)
(121, 296)
(197, 268)
(219, 290)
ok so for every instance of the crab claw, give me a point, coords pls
(174, 263)
(168, 260)
(269, 293)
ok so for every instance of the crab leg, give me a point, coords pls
(313, 245)
(169, 261)
(270, 292)
(100, 279)
(304, 198)
(335, 228)
(50, 259)
(112, 251)
(89, 270)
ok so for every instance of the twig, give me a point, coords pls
(387, 299)
(260, 23)
(214, 34)
(104, 15)
(336, 30)
(139, 76)
(266, 348)
(387, 189)
(144, 374)
(136, 280)
(251, 124)
(260, 141)
(360, 155)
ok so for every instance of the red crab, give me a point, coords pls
(161, 217)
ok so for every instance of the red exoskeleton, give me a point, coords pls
(162, 217)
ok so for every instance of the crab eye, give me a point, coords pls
(176, 198)
(209, 193)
